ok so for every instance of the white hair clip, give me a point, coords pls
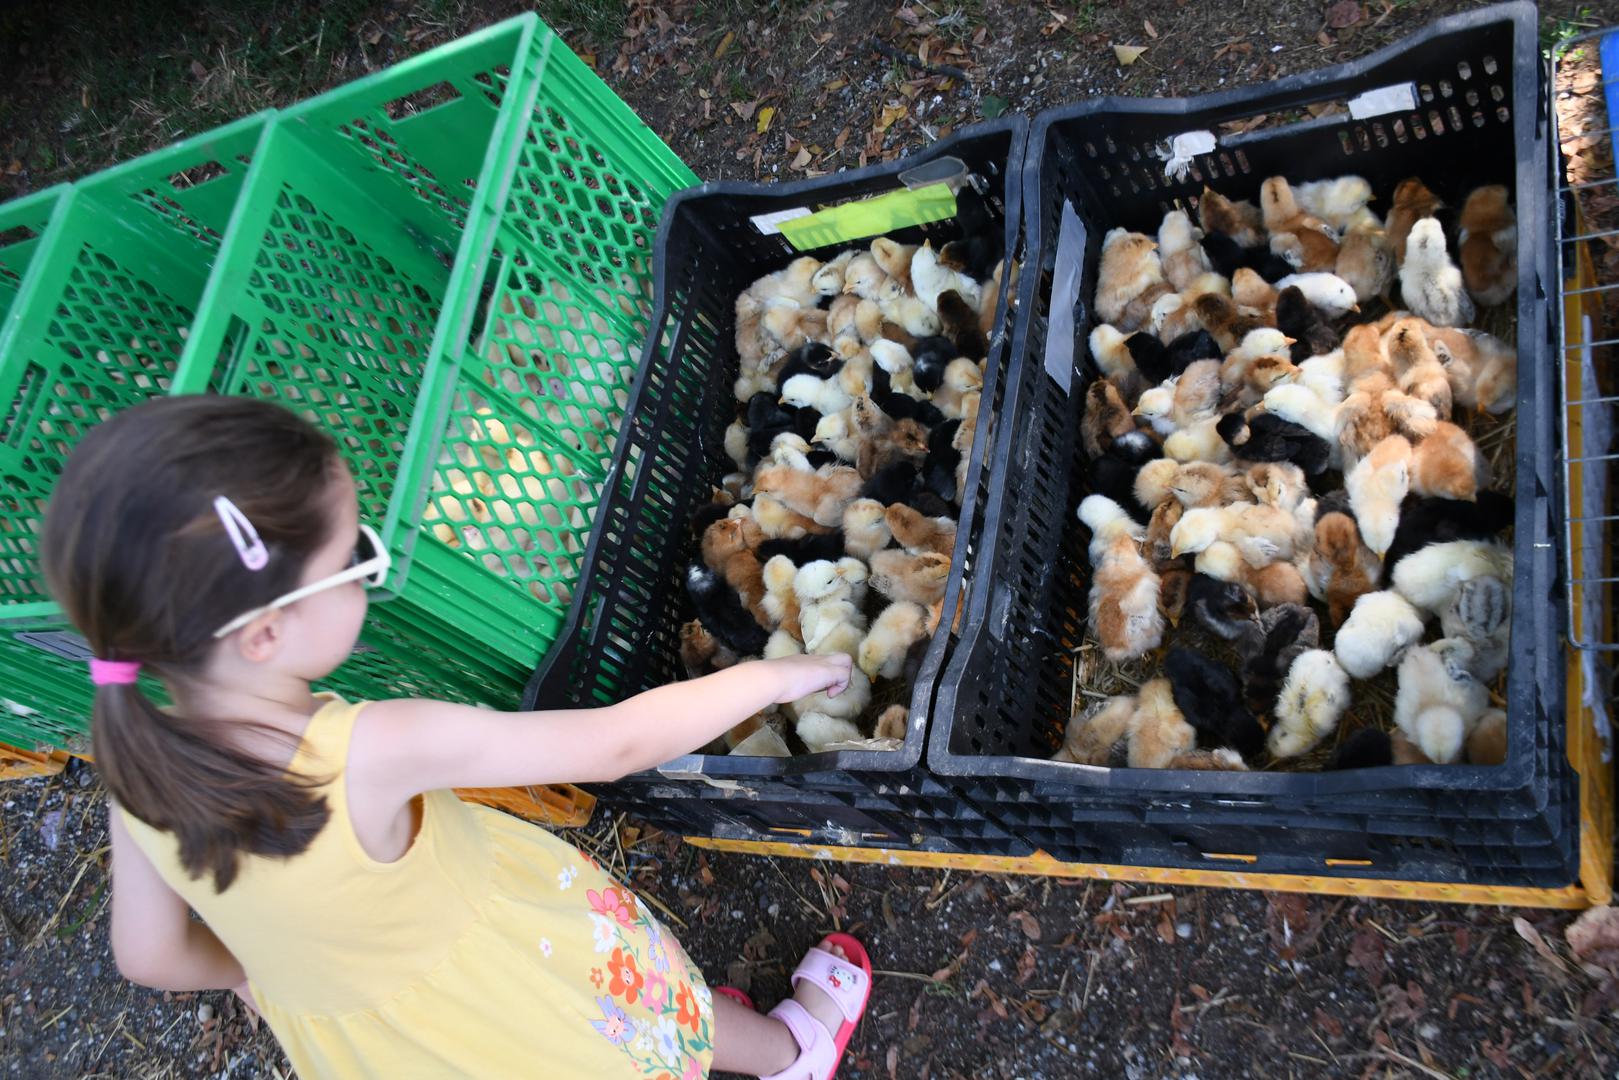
(242, 534)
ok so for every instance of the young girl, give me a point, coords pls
(383, 927)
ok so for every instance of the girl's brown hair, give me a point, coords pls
(139, 559)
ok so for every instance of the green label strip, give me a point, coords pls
(876, 216)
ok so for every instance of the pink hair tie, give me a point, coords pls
(114, 672)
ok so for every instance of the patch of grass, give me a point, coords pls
(601, 21)
(1556, 30)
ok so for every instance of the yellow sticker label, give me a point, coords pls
(877, 216)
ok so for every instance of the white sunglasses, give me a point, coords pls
(369, 566)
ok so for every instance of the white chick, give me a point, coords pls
(899, 626)
(1263, 534)
(1431, 577)
(1312, 700)
(1379, 628)
(1331, 294)
(780, 601)
(1109, 351)
(1324, 376)
(1155, 481)
(1480, 616)
(929, 278)
(833, 432)
(828, 280)
(863, 277)
(846, 706)
(1377, 485)
(790, 449)
(1430, 283)
(909, 312)
(1303, 406)
(825, 396)
(736, 443)
(1179, 250)
(782, 644)
(1439, 701)
(865, 528)
(1338, 202)
(855, 574)
(821, 732)
(1154, 406)
(1199, 442)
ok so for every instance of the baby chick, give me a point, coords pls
(892, 723)
(1106, 417)
(1262, 534)
(1248, 289)
(1489, 245)
(1092, 735)
(1111, 350)
(1221, 759)
(1412, 202)
(865, 528)
(1268, 437)
(1479, 616)
(1239, 220)
(1296, 317)
(1160, 525)
(776, 521)
(1449, 465)
(1203, 483)
(1487, 745)
(1432, 577)
(900, 575)
(1417, 367)
(930, 278)
(821, 732)
(1482, 369)
(918, 534)
(1438, 701)
(1338, 202)
(1269, 647)
(1328, 293)
(721, 612)
(701, 652)
(1429, 282)
(1261, 341)
(1209, 697)
(897, 261)
(1281, 485)
(1303, 239)
(1180, 251)
(728, 548)
(1341, 568)
(1427, 521)
(1124, 609)
(820, 496)
(1222, 607)
(1314, 696)
(780, 600)
(1376, 486)
(961, 377)
(1227, 322)
(1130, 266)
(1278, 583)
(898, 627)
(1368, 748)
(1366, 259)
(1380, 625)
(1198, 442)
(1158, 733)
(862, 277)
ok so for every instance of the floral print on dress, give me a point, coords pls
(656, 1010)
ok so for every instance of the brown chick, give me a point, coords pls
(766, 718)
(1487, 745)
(1239, 220)
(1365, 260)
(1364, 354)
(1197, 393)
(1278, 583)
(1165, 516)
(701, 652)
(1448, 465)
(1412, 202)
(892, 723)
(1489, 245)
(1257, 377)
(1275, 483)
(1222, 759)
(895, 259)
(1346, 568)
(1130, 265)
(905, 440)
(959, 320)
(1228, 323)
(1138, 312)
(776, 521)
(1106, 418)
(1174, 585)
(1417, 367)
(728, 547)
(1204, 483)
(819, 496)
(1251, 290)
(1158, 732)
(899, 575)
(1405, 751)
(918, 534)
(1303, 239)
(1092, 735)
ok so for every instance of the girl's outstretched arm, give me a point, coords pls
(401, 748)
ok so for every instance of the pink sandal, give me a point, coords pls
(821, 1051)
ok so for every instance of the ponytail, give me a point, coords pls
(184, 777)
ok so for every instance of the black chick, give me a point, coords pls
(1150, 355)
(820, 458)
(1115, 477)
(974, 255)
(705, 515)
(1283, 632)
(1227, 257)
(1224, 607)
(811, 358)
(901, 406)
(1267, 437)
(1210, 697)
(939, 469)
(1297, 318)
(720, 610)
(1333, 502)
(1368, 748)
(929, 505)
(807, 549)
(1427, 520)
(1136, 448)
(960, 324)
(1190, 347)
(892, 483)
(929, 357)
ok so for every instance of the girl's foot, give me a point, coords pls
(818, 1002)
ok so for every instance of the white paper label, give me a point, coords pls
(1182, 149)
(769, 224)
(1401, 98)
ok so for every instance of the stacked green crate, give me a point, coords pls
(448, 265)
(99, 282)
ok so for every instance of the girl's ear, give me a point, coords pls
(260, 640)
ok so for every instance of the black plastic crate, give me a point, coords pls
(1004, 699)
(622, 633)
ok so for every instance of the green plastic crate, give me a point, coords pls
(448, 265)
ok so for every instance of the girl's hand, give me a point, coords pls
(801, 676)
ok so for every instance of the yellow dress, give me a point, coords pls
(490, 949)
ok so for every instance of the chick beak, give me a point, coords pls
(1355, 308)
(848, 287)
(1174, 551)
(1290, 341)
(1136, 411)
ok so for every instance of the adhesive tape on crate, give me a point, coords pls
(1181, 150)
(876, 216)
(1387, 99)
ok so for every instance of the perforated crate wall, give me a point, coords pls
(447, 265)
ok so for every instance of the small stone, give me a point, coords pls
(775, 910)
(205, 1013)
(1183, 929)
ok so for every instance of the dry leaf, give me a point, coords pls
(1152, 31)
(725, 44)
(744, 109)
(1594, 938)
(801, 159)
(1536, 942)
(373, 37)
(766, 114)
(1025, 966)
(1128, 54)
(1344, 13)
(835, 84)
(198, 70)
(1027, 923)
(843, 137)
(891, 114)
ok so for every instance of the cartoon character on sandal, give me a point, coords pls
(840, 970)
